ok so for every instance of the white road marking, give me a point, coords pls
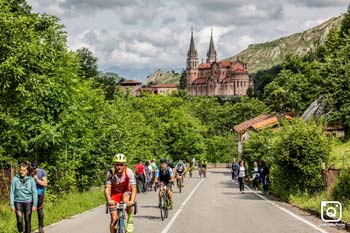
(167, 228)
(289, 212)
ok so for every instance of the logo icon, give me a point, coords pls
(331, 211)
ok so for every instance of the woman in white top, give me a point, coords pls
(242, 174)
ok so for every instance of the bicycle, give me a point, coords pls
(120, 226)
(164, 201)
(179, 182)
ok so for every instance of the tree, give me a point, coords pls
(88, 63)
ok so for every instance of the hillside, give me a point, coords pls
(161, 76)
(265, 55)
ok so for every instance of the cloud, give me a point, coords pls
(134, 37)
(319, 3)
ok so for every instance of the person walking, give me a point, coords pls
(234, 170)
(40, 177)
(140, 176)
(148, 172)
(23, 197)
(242, 174)
(264, 176)
(255, 175)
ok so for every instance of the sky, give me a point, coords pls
(136, 37)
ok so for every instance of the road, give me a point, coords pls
(213, 204)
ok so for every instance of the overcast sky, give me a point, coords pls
(136, 37)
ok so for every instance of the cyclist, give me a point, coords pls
(120, 186)
(204, 167)
(165, 175)
(180, 170)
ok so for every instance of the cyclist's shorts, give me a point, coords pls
(118, 197)
(179, 173)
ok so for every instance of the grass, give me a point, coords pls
(64, 206)
(340, 157)
(313, 203)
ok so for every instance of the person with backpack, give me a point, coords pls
(140, 173)
(255, 175)
(234, 170)
(40, 177)
(148, 172)
(23, 197)
(180, 170)
(264, 176)
(165, 176)
(242, 174)
(120, 186)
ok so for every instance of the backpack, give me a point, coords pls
(180, 167)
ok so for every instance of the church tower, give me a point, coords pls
(211, 52)
(192, 64)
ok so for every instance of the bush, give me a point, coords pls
(341, 189)
(299, 151)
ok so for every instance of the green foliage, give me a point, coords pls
(88, 63)
(325, 71)
(61, 207)
(341, 189)
(299, 151)
(259, 146)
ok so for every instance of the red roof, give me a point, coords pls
(267, 122)
(128, 82)
(246, 124)
(165, 85)
(200, 81)
(204, 65)
(225, 63)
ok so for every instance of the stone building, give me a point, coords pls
(130, 86)
(215, 78)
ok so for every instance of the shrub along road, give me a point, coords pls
(213, 204)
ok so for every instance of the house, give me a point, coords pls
(165, 89)
(258, 123)
(130, 86)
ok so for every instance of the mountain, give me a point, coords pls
(266, 55)
(161, 76)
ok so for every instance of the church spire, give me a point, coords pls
(211, 52)
(192, 52)
(192, 56)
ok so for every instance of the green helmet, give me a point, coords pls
(119, 158)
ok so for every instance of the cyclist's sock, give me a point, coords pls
(130, 218)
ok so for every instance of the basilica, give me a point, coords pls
(215, 78)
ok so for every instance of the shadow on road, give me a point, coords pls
(246, 195)
(227, 173)
(147, 217)
(149, 206)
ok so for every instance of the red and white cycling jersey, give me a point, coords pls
(120, 185)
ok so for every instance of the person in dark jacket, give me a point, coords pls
(234, 170)
(40, 177)
(23, 197)
(264, 176)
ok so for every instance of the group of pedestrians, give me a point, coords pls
(27, 195)
(145, 174)
(258, 174)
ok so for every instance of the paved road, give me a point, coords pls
(213, 204)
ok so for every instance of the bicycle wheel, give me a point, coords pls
(120, 226)
(166, 207)
(179, 184)
(162, 210)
